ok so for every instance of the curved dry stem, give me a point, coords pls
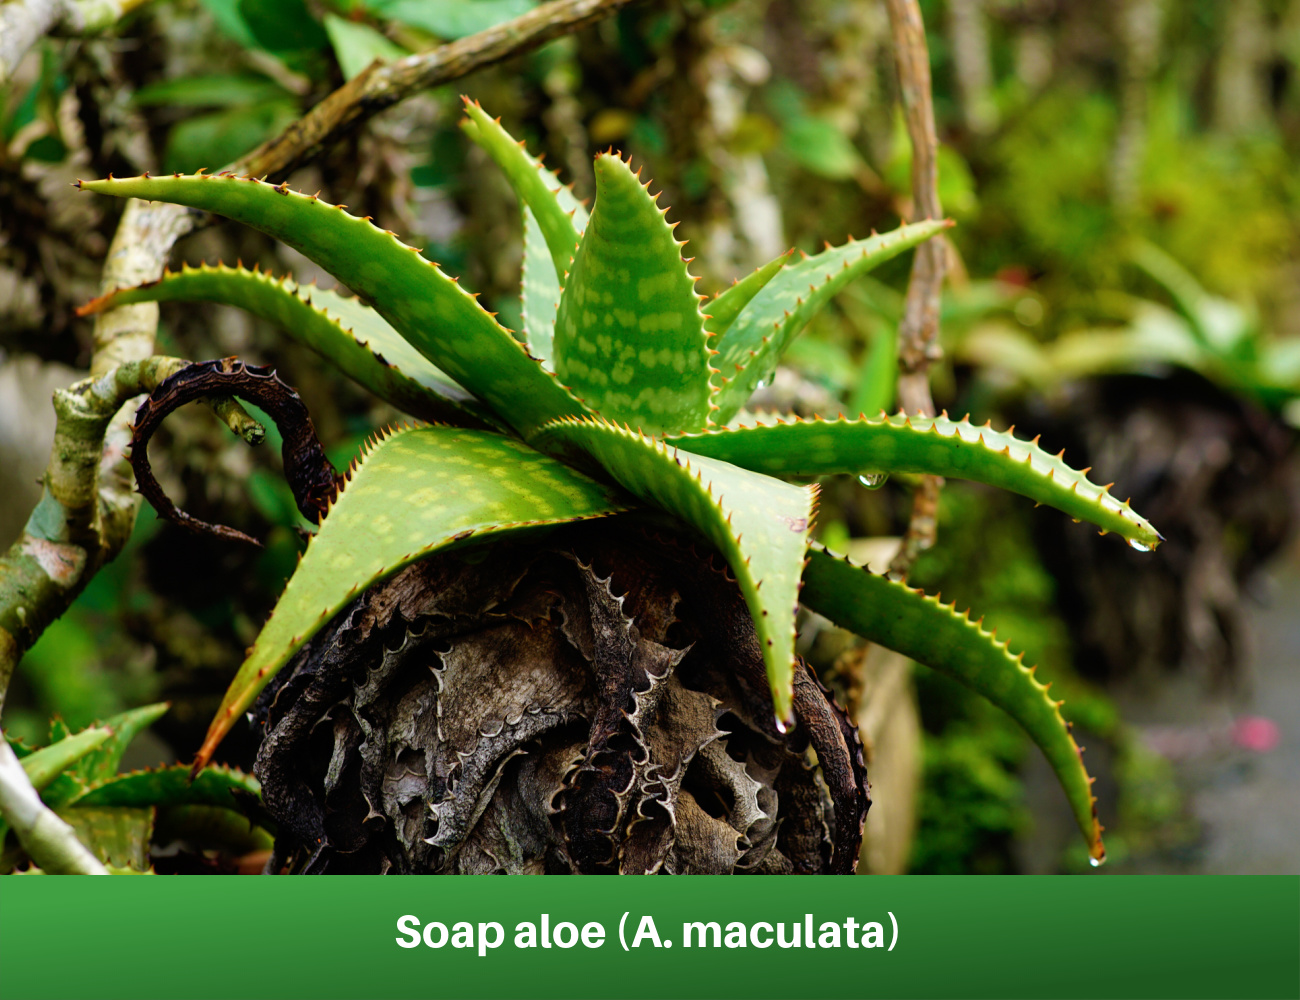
(314, 481)
(88, 507)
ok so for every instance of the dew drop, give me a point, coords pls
(1139, 546)
(1096, 862)
(780, 725)
(761, 384)
(873, 480)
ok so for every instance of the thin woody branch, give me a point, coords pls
(918, 333)
(381, 85)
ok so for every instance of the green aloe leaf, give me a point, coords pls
(44, 765)
(51, 769)
(540, 292)
(118, 837)
(104, 762)
(629, 334)
(759, 524)
(932, 445)
(727, 305)
(343, 330)
(924, 629)
(560, 216)
(429, 309)
(751, 347)
(413, 493)
(172, 786)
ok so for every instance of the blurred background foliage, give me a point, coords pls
(1125, 280)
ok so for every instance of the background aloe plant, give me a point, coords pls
(624, 392)
(117, 815)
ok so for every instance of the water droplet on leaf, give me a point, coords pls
(1139, 546)
(1096, 862)
(873, 480)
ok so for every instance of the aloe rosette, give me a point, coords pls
(624, 389)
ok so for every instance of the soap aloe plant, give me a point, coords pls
(623, 394)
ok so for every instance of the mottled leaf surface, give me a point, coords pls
(921, 627)
(170, 786)
(759, 524)
(429, 309)
(752, 345)
(539, 291)
(629, 335)
(118, 837)
(414, 492)
(341, 329)
(931, 445)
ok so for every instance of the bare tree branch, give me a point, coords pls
(918, 334)
(381, 85)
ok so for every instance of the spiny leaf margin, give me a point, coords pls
(925, 629)
(438, 317)
(629, 334)
(449, 487)
(759, 524)
(758, 337)
(929, 445)
(560, 216)
(343, 330)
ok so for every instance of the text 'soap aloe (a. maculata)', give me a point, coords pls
(478, 682)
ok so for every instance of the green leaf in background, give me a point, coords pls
(217, 90)
(103, 763)
(816, 144)
(223, 787)
(451, 19)
(356, 46)
(210, 141)
(879, 376)
(41, 102)
(956, 183)
(226, 14)
(283, 26)
(119, 837)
